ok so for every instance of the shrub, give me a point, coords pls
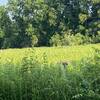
(55, 40)
(87, 40)
(34, 40)
(96, 39)
(77, 39)
(68, 39)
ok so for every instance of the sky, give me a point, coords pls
(3, 2)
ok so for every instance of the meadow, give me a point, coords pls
(50, 50)
(50, 54)
(31, 80)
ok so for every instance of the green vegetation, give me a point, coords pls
(27, 23)
(34, 81)
(50, 50)
(52, 54)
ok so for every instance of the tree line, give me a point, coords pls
(27, 23)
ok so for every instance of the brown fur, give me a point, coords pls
(64, 63)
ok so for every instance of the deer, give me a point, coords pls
(64, 63)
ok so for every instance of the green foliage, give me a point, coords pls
(30, 31)
(55, 40)
(83, 18)
(42, 22)
(34, 40)
(69, 39)
(87, 40)
(1, 33)
(31, 80)
(96, 38)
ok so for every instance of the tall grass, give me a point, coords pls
(54, 54)
(31, 80)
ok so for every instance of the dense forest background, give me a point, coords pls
(27, 23)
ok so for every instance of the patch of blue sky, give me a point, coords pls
(3, 2)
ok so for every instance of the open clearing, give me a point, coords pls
(52, 54)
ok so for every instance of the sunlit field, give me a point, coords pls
(31, 80)
(49, 49)
(51, 54)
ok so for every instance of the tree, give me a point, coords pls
(5, 26)
(93, 22)
(24, 23)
